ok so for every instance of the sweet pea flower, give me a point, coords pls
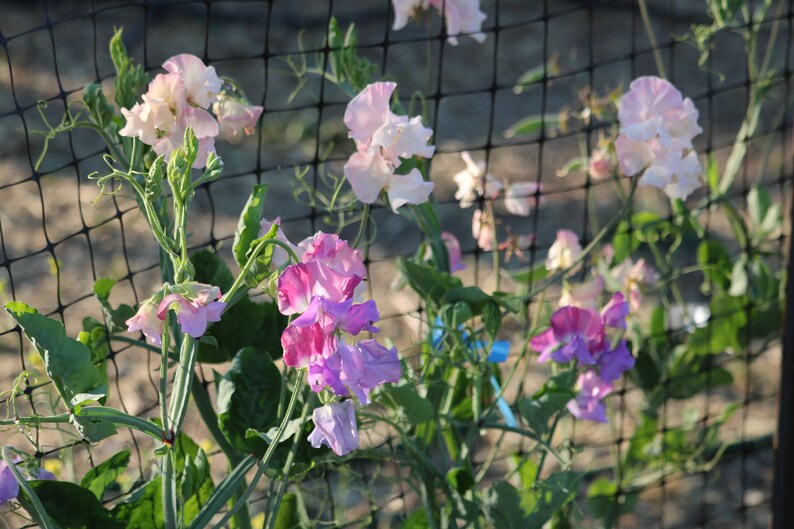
(613, 363)
(382, 139)
(195, 308)
(306, 345)
(615, 312)
(633, 277)
(158, 115)
(573, 333)
(235, 116)
(404, 10)
(588, 404)
(583, 295)
(335, 427)
(280, 255)
(470, 182)
(201, 83)
(462, 16)
(453, 251)
(483, 230)
(521, 197)
(564, 251)
(300, 283)
(657, 126)
(9, 487)
(333, 252)
(600, 164)
(147, 322)
(204, 127)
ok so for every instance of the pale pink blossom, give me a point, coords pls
(382, 139)
(280, 255)
(564, 251)
(404, 10)
(462, 16)
(147, 321)
(521, 197)
(201, 83)
(166, 99)
(235, 117)
(138, 124)
(204, 127)
(473, 182)
(657, 126)
(583, 295)
(600, 164)
(633, 277)
(483, 230)
(195, 305)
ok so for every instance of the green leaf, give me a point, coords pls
(716, 264)
(416, 520)
(416, 409)
(154, 179)
(97, 104)
(68, 362)
(102, 478)
(71, 506)
(210, 269)
(143, 509)
(552, 494)
(739, 279)
(528, 78)
(531, 276)
(537, 412)
(292, 514)
(606, 503)
(116, 318)
(249, 224)
(248, 398)
(131, 80)
(427, 281)
(531, 125)
(713, 175)
(504, 507)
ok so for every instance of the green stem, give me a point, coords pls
(646, 21)
(43, 518)
(37, 420)
(362, 225)
(183, 380)
(168, 486)
(230, 297)
(166, 334)
(119, 418)
(287, 467)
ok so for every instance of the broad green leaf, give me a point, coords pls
(102, 478)
(716, 264)
(713, 175)
(68, 362)
(143, 509)
(249, 224)
(758, 203)
(211, 269)
(416, 520)
(248, 398)
(153, 186)
(97, 104)
(428, 282)
(416, 409)
(530, 276)
(537, 412)
(551, 495)
(692, 372)
(131, 80)
(460, 479)
(71, 506)
(116, 318)
(504, 507)
(739, 279)
(606, 503)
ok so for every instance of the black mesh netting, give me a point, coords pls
(55, 242)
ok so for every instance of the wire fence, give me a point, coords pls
(55, 242)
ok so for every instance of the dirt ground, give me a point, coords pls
(54, 241)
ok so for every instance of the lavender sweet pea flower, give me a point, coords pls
(335, 427)
(612, 364)
(573, 329)
(147, 321)
(9, 487)
(615, 312)
(588, 404)
(344, 316)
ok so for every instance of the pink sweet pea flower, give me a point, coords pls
(195, 309)
(9, 487)
(470, 182)
(333, 252)
(202, 84)
(632, 277)
(235, 116)
(521, 197)
(657, 126)
(204, 127)
(600, 164)
(139, 125)
(304, 345)
(482, 229)
(299, 283)
(573, 333)
(564, 252)
(147, 321)
(584, 295)
(335, 427)
(280, 255)
(158, 114)
(588, 404)
(462, 16)
(382, 138)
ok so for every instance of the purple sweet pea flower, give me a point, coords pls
(575, 330)
(9, 487)
(42, 474)
(615, 312)
(335, 427)
(588, 404)
(146, 321)
(344, 315)
(614, 363)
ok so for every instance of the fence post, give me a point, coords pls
(783, 491)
